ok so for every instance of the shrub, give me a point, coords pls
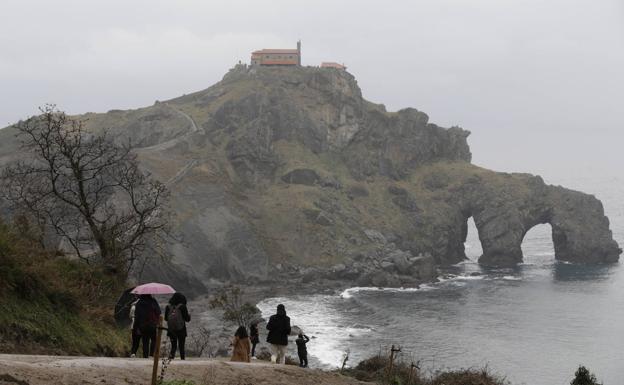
(466, 377)
(230, 300)
(376, 369)
(582, 376)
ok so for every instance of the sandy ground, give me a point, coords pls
(52, 370)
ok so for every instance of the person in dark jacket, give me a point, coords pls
(254, 335)
(279, 329)
(177, 315)
(302, 350)
(146, 314)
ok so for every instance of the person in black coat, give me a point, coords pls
(302, 350)
(254, 336)
(146, 314)
(279, 329)
(177, 315)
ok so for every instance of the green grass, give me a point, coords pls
(43, 326)
(52, 305)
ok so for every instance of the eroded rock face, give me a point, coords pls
(580, 229)
(278, 173)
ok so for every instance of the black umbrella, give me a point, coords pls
(122, 308)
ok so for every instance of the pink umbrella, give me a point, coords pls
(153, 288)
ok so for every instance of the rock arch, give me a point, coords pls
(504, 213)
(466, 235)
(537, 240)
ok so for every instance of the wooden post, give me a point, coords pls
(392, 351)
(157, 350)
(411, 374)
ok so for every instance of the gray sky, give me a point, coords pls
(540, 83)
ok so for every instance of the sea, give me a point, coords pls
(533, 324)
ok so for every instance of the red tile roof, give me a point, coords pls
(263, 51)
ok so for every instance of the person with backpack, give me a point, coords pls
(302, 350)
(279, 329)
(146, 315)
(177, 315)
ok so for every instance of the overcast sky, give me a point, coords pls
(540, 83)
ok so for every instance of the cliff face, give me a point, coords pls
(290, 171)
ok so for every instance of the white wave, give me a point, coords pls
(348, 293)
(356, 331)
(462, 277)
(446, 278)
(470, 277)
(510, 278)
(466, 262)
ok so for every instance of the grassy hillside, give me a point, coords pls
(52, 305)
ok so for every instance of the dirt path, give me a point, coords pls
(172, 142)
(51, 370)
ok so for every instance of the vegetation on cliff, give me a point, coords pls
(50, 304)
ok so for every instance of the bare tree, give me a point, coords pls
(200, 339)
(88, 189)
(230, 300)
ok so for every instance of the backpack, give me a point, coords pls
(175, 321)
(152, 318)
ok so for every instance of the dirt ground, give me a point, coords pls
(52, 370)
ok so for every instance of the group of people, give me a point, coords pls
(145, 314)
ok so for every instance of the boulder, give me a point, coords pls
(375, 236)
(406, 203)
(331, 182)
(395, 190)
(387, 266)
(400, 259)
(423, 267)
(324, 220)
(357, 191)
(303, 176)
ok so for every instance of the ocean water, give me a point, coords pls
(533, 324)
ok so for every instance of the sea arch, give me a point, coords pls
(579, 229)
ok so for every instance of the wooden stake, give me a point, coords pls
(392, 351)
(411, 373)
(157, 350)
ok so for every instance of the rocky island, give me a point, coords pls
(291, 172)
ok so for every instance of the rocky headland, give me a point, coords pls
(289, 173)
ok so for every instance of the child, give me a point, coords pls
(302, 351)
(241, 345)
